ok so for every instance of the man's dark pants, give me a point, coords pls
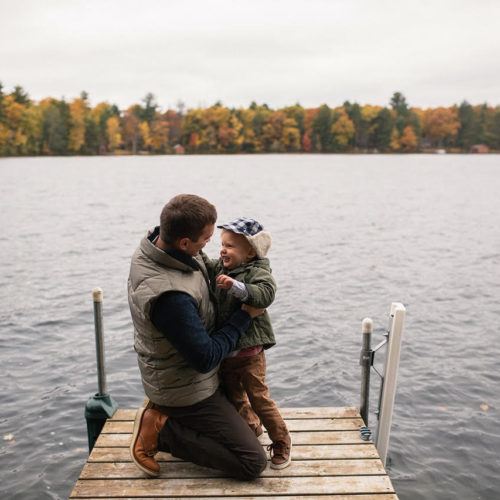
(212, 433)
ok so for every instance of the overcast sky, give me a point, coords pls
(436, 52)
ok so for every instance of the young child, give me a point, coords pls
(243, 275)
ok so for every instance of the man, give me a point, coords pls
(179, 352)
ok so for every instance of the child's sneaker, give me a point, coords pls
(280, 452)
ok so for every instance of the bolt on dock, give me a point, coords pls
(329, 460)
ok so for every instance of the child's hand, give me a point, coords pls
(224, 282)
(253, 311)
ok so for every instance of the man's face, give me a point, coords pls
(193, 247)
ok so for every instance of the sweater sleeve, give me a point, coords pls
(175, 314)
(261, 289)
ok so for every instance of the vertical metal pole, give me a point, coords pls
(390, 378)
(365, 362)
(101, 406)
(99, 342)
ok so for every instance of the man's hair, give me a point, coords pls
(185, 215)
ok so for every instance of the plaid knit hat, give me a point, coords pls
(253, 231)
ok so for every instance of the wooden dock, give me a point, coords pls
(329, 460)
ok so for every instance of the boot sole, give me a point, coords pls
(135, 434)
(284, 465)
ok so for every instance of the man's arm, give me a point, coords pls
(175, 314)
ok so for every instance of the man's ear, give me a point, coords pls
(183, 243)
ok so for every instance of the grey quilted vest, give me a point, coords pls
(166, 377)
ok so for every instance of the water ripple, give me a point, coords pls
(350, 235)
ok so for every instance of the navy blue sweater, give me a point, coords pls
(175, 314)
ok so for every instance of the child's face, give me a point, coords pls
(235, 249)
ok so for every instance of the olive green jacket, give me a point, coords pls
(261, 288)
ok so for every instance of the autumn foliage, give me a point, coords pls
(56, 127)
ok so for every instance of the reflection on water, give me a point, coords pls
(351, 234)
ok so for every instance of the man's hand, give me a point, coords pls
(253, 311)
(224, 282)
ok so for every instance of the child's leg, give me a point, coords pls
(231, 374)
(253, 382)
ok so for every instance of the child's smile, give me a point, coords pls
(235, 249)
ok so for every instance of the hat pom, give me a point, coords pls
(261, 243)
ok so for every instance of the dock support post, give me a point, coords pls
(101, 406)
(366, 361)
(390, 378)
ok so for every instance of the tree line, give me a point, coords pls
(58, 127)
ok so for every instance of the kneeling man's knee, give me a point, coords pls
(252, 468)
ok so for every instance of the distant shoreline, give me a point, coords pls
(263, 153)
(55, 127)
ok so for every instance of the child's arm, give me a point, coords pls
(234, 287)
(261, 289)
(258, 292)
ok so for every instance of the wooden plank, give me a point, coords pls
(327, 437)
(371, 496)
(188, 470)
(287, 413)
(316, 424)
(330, 460)
(302, 452)
(261, 487)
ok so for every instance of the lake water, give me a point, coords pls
(351, 234)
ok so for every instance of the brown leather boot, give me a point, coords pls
(144, 445)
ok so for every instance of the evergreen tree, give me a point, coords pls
(20, 96)
(354, 113)
(466, 132)
(55, 127)
(91, 146)
(322, 127)
(495, 128)
(483, 125)
(384, 124)
(148, 112)
(399, 105)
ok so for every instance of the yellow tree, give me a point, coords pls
(368, 124)
(394, 145)
(113, 132)
(191, 128)
(159, 134)
(441, 125)
(130, 128)
(145, 134)
(408, 140)
(31, 124)
(15, 139)
(297, 112)
(229, 135)
(78, 112)
(290, 135)
(4, 139)
(272, 131)
(342, 129)
(261, 116)
(248, 139)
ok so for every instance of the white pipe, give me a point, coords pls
(390, 379)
